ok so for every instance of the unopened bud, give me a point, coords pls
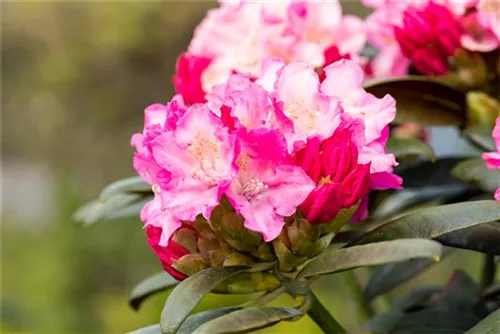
(216, 257)
(229, 227)
(201, 224)
(482, 110)
(207, 241)
(302, 236)
(187, 238)
(287, 261)
(190, 264)
(264, 252)
(237, 259)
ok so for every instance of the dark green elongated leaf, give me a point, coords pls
(249, 319)
(189, 292)
(489, 325)
(482, 238)
(89, 213)
(153, 329)
(422, 100)
(196, 320)
(481, 137)
(128, 185)
(154, 284)
(433, 222)
(131, 210)
(410, 147)
(388, 276)
(435, 322)
(116, 206)
(476, 171)
(266, 298)
(332, 261)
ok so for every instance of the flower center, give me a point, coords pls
(324, 180)
(208, 177)
(489, 7)
(253, 189)
(302, 115)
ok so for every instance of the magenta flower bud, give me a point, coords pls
(167, 254)
(187, 80)
(429, 36)
(341, 181)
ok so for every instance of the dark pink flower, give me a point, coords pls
(429, 36)
(341, 181)
(332, 54)
(167, 254)
(187, 79)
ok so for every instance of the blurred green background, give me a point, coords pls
(75, 79)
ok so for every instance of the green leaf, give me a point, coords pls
(388, 276)
(249, 319)
(153, 329)
(116, 206)
(333, 260)
(436, 221)
(482, 238)
(196, 320)
(422, 100)
(120, 199)
(154, 284)
(410, 147)
(189, 292)
(481, 137)
(475, 171)
(489, 325)
(129, 185)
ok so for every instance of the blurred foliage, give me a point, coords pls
(76, 77)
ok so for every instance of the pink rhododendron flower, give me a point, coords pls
(428, 37)
(428, 32)
(157, 118)
(153, 215)
(200, 154)
(187, 79)
(239, 35)
(493, 158)
(270, 146)
(268, 186)
(482, 27)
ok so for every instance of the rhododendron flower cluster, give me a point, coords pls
(493, 158)
(239, 35)
(427, 33)
(282, 145)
